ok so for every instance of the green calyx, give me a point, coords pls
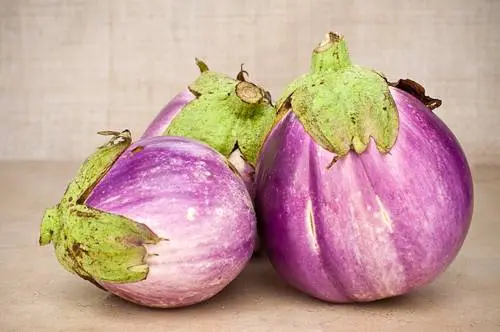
(226, 114)
(342, 105)
(96, 245)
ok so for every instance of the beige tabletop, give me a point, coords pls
(36, 294)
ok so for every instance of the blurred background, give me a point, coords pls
(69, 68)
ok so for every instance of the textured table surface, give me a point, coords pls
(36, 294)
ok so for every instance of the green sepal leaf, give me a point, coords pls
(103, 246)
(51, 225)
(96, 166)
(94, 244)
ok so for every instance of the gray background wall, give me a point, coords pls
(71, 68)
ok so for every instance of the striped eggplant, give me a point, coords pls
(362, 192)
(162, 222)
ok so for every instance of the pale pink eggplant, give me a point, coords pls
(361, 226)
(171, 224)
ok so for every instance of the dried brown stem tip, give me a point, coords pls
(249, 93)
(202, 65)
(418, 91)
(330, 39)
(241, 74)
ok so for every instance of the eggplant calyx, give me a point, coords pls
(226, 111)
(342, 105)
(94, 244)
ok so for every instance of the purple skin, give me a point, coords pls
(168, 113)
(372, 226)
(184, 192)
